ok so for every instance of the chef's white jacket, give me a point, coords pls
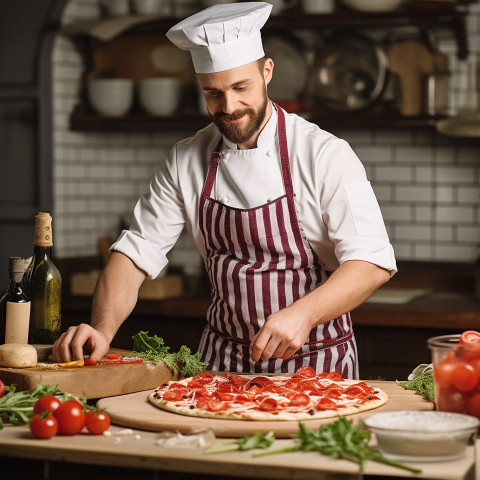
(335, 202)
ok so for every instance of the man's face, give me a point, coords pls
(237, 100)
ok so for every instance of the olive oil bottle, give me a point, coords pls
(43, 285)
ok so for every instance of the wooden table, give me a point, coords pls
(142, 452)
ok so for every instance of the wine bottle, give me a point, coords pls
(43, 285)
(15, 306)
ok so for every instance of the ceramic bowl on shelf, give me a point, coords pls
(421, 435)
(373, 5)
(159, 96)
(111, 97)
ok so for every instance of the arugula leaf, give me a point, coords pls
(340, 439)
(248, 442)
(17, 407)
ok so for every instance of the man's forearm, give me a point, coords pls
(347, 288)
(116, 294)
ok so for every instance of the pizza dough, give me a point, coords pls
(303, 396)
(17, 355)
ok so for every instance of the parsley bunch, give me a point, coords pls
(422, 384)
(154, 350)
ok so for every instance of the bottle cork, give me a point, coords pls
(16, 268)
(43, 230)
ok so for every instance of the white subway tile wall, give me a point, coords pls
(427, 185)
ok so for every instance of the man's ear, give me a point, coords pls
(268, 70)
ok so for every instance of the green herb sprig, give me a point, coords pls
(422, 384)
(248, 442)
(17, 407)
(340, 439)
(153, 349)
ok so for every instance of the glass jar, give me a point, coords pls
(456, 370)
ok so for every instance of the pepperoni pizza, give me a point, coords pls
(302, 396)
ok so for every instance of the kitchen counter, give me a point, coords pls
(143, 453)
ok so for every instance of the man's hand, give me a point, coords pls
(79, 340)
(283, 333)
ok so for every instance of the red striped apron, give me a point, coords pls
(260, 261)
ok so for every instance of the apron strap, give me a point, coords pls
(212, 173)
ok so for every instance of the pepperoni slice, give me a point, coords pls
(293, 383)
(326, 404)
(268, 404)
(215, 405)
(336, 377)
(228, 388)
(306, 372)
(354, 391)
(203, 378)
(242, 398)
(177, 386)
(334, 392)
(259, 382)
(300, 400)
(174, 395)
(236, 380)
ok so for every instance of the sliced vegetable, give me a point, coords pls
(470, 337)
(90, 362)
(44, 425)
(73, 363)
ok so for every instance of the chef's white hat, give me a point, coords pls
(223, 36)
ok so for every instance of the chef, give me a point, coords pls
(289, 228)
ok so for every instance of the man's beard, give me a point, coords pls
(235, 132)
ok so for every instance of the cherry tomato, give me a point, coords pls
(70, 417)
(464, 377)
(2, 389)
(89, 362)
(473, 405)
(43, 425)
(450, 400)
(444, 370)
(97, 422)
(47, 403)
(470, 336)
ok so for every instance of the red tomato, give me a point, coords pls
(470, 336)
(70, 417)
(97, 422)
(2, 389)
(464, 377)
(473, 405)
(450, 400)
(90, 362)
(113, 356)
(47, 403)
(443, 371)
(43, 425)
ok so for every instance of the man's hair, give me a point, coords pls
(261, 64)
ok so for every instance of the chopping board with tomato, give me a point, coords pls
(110, 377)
(135, 411)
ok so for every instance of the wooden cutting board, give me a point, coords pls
(135, 411)
(96, 382)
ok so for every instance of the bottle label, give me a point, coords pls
(17, 319)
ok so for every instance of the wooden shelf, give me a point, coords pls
(147, 123)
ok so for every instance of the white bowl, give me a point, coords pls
(373, 5)
(111, 97)
(159, 96)
(422, 435)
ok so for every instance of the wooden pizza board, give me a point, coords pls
(135, 411)
(96, 382)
